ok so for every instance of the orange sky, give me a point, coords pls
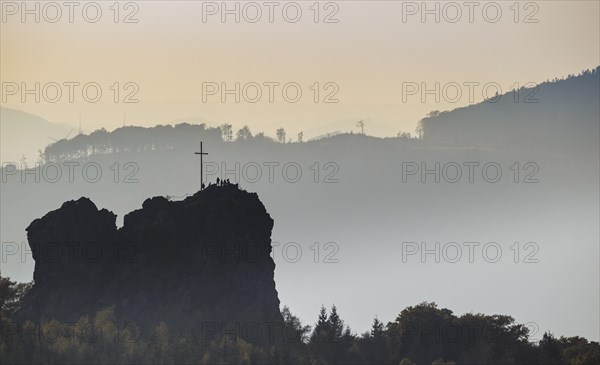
(368, 53)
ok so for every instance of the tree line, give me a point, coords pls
(420, 334)
(133, 139)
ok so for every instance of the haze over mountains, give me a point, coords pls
(353, 195)
(555, 116)
(24, 134)
(191, 281)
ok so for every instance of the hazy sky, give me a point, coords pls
(372, 49)
(363, 58)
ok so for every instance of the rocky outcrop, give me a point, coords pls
(205, 259)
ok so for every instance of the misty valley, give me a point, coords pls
(300, 182)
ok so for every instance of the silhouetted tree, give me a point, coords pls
(330, 341)
(421, 334)
(361, 124)
(549, 349)
(244, 133)
(11, 294)
(420, 128)
(227, 132)
(281, 135)
(292, 322)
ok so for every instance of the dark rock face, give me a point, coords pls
(203, 259)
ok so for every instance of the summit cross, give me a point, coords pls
(201, 153)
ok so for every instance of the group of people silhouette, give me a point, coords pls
(220, 182)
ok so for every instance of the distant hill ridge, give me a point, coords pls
(558, 114)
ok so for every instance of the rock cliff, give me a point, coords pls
(203, 261)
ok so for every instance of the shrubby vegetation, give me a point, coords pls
(421, 334)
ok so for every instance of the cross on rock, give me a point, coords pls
(201, 153)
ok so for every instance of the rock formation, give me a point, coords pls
(201, 261)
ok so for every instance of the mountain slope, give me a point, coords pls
(557, 116)
(24, 134)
